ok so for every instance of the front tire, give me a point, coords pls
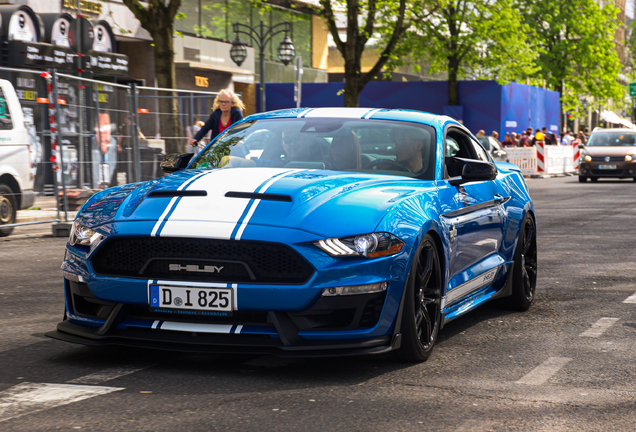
(524, 268)
(582, 179)
(8, 209)
(422, 316)
(594, 179)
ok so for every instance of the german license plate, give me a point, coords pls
(607, 167)
(192, 300)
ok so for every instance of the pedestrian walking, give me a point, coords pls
(227, 109)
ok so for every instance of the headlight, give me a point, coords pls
(372, 245)
(587, 158)
(629, 158)
(83, 236)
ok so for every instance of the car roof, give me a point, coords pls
(435, 120)
(620, 130)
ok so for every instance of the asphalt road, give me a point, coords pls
(566, 364)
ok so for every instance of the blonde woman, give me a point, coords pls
(227, 109)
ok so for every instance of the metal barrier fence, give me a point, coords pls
(107, 134)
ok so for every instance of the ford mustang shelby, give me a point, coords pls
(346, 231)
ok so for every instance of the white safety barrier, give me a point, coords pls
(556, 159)
(524, 157)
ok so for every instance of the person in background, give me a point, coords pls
(104, 154)
(567, 138)
(538, 136)
(508, 142)
(495, 135)
(481, 132)
(227, 109)
(547, 137)
(586, 134)
(516, 137)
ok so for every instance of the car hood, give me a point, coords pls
(227, 203)
(610, 151)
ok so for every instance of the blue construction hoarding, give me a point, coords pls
(485, 105)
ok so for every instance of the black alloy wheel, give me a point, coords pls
(8, 209)
(524, 268)
(422, 315)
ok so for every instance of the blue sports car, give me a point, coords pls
(341, 231)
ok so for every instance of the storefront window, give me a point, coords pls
(214, 19)
(190, 23)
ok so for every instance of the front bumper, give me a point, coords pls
(332, 326)
(218, 343)
(622, 170)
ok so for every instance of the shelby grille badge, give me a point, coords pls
(195, 268)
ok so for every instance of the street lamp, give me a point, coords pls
(261, 36)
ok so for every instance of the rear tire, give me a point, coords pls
(582, 179)
(8, 209)
(524, 268)
(422, 314)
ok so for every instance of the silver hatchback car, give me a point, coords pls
(494, 148)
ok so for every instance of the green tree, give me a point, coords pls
(157, 16)
(479, 39)
(575, 48)
(366, 19)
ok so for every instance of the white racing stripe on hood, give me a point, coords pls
(215, 215)
(171, 205)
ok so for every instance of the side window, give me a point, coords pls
(5, 114)
(457, 144)
(480, 152)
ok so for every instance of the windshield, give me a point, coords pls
(612, 139)
(386, 147)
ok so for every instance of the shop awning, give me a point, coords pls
(612, 117)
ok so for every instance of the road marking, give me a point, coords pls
(107, 374)
(599, 327)
(544, 371)
(27, 398)
(630, 299)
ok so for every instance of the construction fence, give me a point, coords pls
(86, 135)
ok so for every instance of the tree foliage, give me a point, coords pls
(479, 39)
(575, 48)
(366, 19)
(157, 17)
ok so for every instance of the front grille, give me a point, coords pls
(608, 173)
(612, 159)
(242, 261)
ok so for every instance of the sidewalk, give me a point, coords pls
(47, 211)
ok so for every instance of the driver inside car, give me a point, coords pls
(409, 143)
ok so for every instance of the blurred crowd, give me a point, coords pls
(530, 137)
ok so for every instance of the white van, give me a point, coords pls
(16, 175)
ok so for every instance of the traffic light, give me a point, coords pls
(570, 121)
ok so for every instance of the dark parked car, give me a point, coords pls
(609, 153)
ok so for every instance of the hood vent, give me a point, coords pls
(177, 193)
(259, 196)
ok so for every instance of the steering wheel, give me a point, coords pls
(385, 164)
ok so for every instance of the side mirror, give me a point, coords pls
(175, 162)
(580, 146)
(474, 170)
